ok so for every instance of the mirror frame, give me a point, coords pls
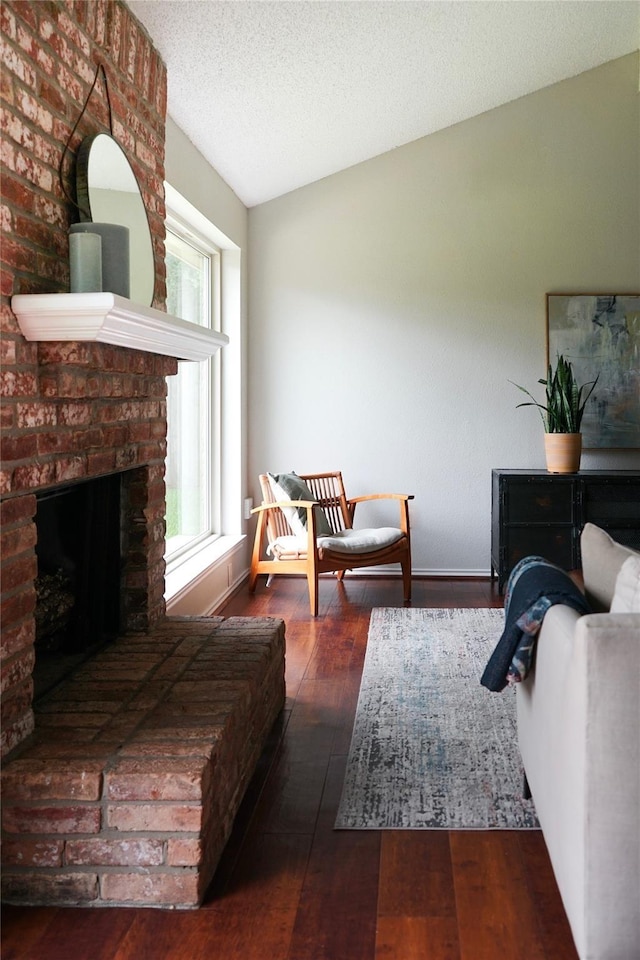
(143, 238)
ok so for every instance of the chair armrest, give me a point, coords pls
(402, 498)
(381, 496)
(309, 504)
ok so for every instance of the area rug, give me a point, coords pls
(432, 748)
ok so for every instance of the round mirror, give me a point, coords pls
(108, 192)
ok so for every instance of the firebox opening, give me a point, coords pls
(79, 571)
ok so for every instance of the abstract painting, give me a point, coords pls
(600, 335)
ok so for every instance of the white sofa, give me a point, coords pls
(579, 736)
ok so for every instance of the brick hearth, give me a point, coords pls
(139, 764)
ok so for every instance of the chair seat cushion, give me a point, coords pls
(346, 541)
(360, 541)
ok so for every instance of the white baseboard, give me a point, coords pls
(420, 572)
(483, 573)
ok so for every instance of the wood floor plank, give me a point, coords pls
(350, 693)
(291, 798)
(22, 928)
(416, 899)
(81, 934)
(336, 918)
(315, 720)
(237, 936)
(254, 918)
(416, 874)
(331, 660)
(551, 917)
(270, 873)
(495, 918)
(155, 935)
(417, 938)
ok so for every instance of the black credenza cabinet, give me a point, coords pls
(540, 513)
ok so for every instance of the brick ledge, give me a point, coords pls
(127, 795)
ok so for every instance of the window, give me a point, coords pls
(193, 456)
(204, 469)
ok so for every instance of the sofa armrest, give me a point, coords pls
(621, 628)
(578, 722)
(543, 710)
(607, 658)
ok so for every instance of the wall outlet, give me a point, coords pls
(248, 506)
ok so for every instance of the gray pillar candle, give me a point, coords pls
(115, 254)
(85, 262)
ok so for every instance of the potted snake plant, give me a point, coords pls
(561, 415)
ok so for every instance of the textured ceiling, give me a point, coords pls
(279, 94)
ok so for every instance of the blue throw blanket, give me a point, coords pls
(534, 585)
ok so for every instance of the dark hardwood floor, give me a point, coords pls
(289, 887)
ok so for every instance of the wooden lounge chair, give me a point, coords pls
(305, 526)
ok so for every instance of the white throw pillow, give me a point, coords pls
(626, 597)
(291, 513)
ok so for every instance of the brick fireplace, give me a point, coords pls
(74, 410)
(93, 410)
(122, 784)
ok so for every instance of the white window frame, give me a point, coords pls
(203, 574)
(204, 245)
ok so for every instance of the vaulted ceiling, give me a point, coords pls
(279, 94)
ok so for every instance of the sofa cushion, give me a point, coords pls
(626, 598)
(602, 558)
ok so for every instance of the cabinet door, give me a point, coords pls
(554, 543)
(613, 503)
(540, 501)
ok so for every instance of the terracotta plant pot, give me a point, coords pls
(563, 452)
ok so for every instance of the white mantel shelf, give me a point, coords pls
(107, 318)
